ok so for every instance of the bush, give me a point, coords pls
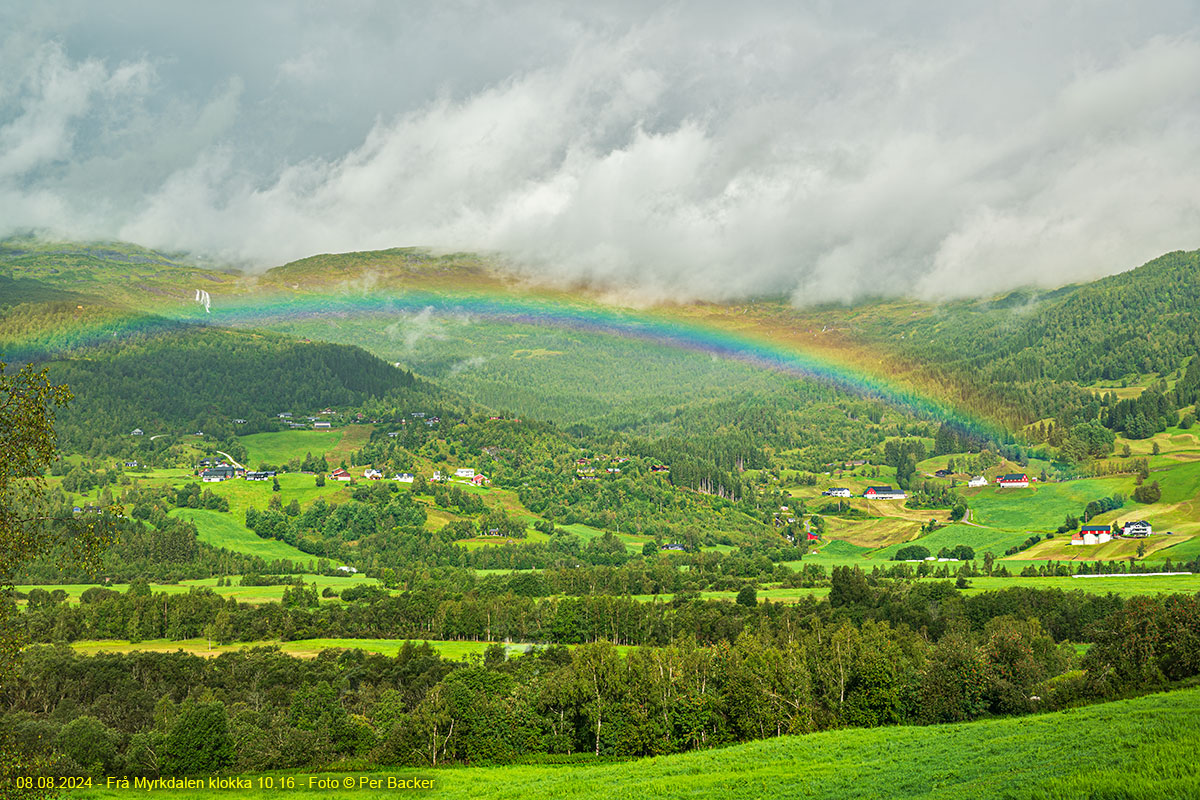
(747, 596)
(199, 742)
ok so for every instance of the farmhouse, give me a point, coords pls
(260, 476)
(480, 480)
(977, 481)
(1139, 529)
(660, 468)
(942, 473)
(404, 477)
(1092, 534)
(372, 474)
(286, 415)
(221, 473)
(883, 493)
(836, 491)
(340, 475)
(1013, 480)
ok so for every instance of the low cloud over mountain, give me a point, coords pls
(689, 152)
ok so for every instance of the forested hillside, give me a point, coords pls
(203, 379)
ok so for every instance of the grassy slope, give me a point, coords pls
(1143, 748)
(225, 530)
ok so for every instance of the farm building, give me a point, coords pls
(977, 481)
(1013, 480)
(1092, 534)
(340, 475)
(222, 473)
(320, 425)
(404, 477)
(464, 472)
(836, 491)
(372, 474)
(883, 493)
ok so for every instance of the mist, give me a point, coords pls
(825, 152)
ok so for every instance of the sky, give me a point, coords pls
(822, 151)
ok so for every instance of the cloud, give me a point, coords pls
(936, 150)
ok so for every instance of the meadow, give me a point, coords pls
(1144, 748)
(303, 648)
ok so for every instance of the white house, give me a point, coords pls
(883, 493)
(373, 474)
(404, 477)
(136, 432)
(1138, 529)
(837, 491)
(1013, 480)
(978, 480)
(464, 472)
(1092, 534)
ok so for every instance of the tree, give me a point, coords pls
(1151, 493)
(28, 447)
(198, 742)
(747, 596)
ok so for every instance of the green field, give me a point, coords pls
(1141, 748)
(243, 594)
(224, 529)
(280, 447)
(304, 648)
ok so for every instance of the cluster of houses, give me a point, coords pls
(316, 422)
(1099, 534)
(586, 471)
(466, 474)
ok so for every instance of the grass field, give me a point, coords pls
(1146, 749)
(280, 447)
(225, 529)
(243, 594)
(304, 648)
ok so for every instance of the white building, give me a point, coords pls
(404, 477)
(373, 474)
(464, 472)
(978, 480)
(1137, 529)
(836, 491)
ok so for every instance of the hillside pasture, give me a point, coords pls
(223, 529)
(279, 447)
(1148, 752)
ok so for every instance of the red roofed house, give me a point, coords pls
(340, 475)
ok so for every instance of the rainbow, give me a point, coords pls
(655, 327)
(660, 327)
